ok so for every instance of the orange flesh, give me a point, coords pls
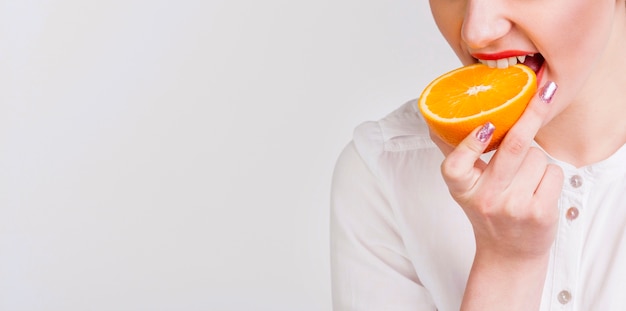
(459, 104)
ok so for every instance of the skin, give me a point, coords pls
(512, 201)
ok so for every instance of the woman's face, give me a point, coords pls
(567, 37)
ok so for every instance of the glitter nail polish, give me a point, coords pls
(547, 92)
(485, 132)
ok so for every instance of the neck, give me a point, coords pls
(592, 127)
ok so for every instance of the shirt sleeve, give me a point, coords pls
(369, 265)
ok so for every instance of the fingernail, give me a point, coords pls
(547, 92)
(485, 132)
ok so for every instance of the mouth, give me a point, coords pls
(534, 60)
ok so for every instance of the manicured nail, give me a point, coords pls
(485, 132)
(547, 92)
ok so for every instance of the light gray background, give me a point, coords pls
(177, 155)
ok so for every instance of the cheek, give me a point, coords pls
(579, 35)
(584, 22)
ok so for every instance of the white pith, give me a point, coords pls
(505, 62)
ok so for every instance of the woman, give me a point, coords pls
(538, 225)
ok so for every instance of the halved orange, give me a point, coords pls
(465, 98)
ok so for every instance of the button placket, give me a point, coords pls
(568, 244)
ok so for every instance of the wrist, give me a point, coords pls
(498, 282)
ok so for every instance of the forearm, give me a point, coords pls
(505, 284)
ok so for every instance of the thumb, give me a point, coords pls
(463, 166)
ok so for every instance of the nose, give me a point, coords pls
(485, 22)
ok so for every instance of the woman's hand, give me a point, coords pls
(512, 205)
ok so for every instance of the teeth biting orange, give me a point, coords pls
(463, 99)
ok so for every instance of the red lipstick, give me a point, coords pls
(500, 55)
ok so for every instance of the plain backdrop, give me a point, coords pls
(178, 154)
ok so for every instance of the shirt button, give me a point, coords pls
(576, 181)
(564, 297)
(572, 213)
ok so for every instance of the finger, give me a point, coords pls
(462, 167)
(549, 189)
(530, 174)
(513, 149)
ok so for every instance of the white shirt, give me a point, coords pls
(400, 242)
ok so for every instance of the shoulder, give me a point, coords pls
(403, 132)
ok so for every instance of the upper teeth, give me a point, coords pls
(505, 62)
